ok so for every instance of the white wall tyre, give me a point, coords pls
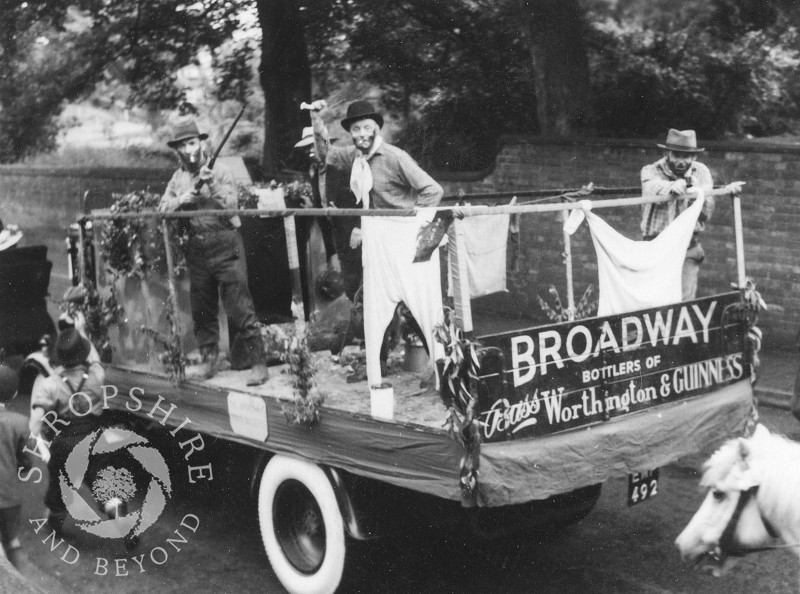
(301, 526)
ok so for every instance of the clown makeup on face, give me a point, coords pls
(190, 152)
(680, 162)
(364, 133)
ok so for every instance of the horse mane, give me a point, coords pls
(775, 450)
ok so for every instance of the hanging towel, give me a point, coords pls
(636, 275)
(486, 244)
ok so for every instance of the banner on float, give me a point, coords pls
(588, 371)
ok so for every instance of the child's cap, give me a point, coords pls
(9, 380)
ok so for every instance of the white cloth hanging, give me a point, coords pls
(486, 244)
(635, 275)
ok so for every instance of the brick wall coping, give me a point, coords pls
(145, 173)
(163, 174)
(736, 146)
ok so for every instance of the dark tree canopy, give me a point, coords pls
(457, 74)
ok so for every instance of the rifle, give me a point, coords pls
(213, 160)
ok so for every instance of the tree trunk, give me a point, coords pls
(560, 66)
(285, 77)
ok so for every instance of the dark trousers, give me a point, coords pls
(304, 225)
(349, 259)
(217, 265)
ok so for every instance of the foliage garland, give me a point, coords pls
(584, 309)
(131, 248)
(99, 314)
(748, 309)
(460, 372)
(307, 401)
(172, 357)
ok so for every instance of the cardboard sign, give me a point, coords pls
(588, 371)
(248, 416)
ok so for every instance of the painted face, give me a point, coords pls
(190, 152)
(363, 133)
(679, 162)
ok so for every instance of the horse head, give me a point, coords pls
(731, 520)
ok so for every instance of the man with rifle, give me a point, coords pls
(215, 251)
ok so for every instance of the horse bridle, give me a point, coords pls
(726, 540)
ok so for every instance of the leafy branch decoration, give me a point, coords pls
(460, 372)
(307, 400)
(585, 308)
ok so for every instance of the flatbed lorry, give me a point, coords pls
(560, 409)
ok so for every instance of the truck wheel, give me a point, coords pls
(301, 526)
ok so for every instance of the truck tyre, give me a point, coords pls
(301, 526)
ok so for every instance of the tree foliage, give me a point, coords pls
(457, 74)
(55, 50)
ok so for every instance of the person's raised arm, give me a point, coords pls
(321, 138)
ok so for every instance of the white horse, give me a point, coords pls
(753, 502)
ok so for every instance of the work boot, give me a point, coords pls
(208, 367)
(258, 372)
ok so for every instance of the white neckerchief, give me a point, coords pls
(361, 174)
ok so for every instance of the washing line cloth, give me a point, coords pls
(486, 244)
(635, 275)
(391, 276)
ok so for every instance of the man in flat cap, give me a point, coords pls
(386, 177)
(215, 252)
(675, 174)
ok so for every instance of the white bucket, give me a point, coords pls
(381, 400)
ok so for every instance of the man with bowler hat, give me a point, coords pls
(385, 177)
(65, 408)
(676, 174)
(215, 251)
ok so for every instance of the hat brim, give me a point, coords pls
(308, 140)
(176, 141)
(347, 122)
(9, 238)
(680, 149)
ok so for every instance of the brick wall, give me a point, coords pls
(770, 212)
(44, 202)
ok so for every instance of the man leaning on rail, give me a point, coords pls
(675, 174)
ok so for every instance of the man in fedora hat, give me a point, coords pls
(386, 177)
(65, 408)
(675, 174)
(215, 252)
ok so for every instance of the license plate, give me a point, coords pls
(642, 486)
